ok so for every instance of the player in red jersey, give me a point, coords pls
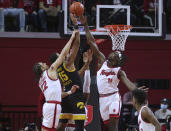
(146, 119)
(108, 76)
(51, 87)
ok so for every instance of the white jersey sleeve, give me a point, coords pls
(87, 82)
(143, 125)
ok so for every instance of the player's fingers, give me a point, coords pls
(141, 87)
(146, 89)
(81, 17)
(76, 86)
(74, 15)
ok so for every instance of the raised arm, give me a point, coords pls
(130, 85)
(87, 58)
(64, 51)
(75, 46)
(148, 115)
(91, 42)
(122, 76)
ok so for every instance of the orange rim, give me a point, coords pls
(117, 28)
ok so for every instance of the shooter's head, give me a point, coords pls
(116, 59)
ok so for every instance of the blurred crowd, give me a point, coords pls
(29, 15)
(43, 15)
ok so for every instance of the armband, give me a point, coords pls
(69, 92)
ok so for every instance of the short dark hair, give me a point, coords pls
(140, 95)
(122, 59)
(37, 71)
(53, 58)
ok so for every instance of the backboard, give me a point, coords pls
(144, 23)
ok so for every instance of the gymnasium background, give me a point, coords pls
(148, 59)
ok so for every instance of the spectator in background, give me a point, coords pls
(7, 8)
(149, 7)
(127, 98)
(30, 8)
(90, 7)
(127, 101)
(48, 8)
(163, 113)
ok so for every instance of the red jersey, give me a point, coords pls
(53, 3)
(28, 5)
(146, 5)
(6, 3)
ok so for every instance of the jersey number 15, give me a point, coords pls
(63, 76)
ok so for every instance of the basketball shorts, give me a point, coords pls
(89, 113)
(51, 112)
(71, 129)
(73, 107)
(71, 126)
(110, 106)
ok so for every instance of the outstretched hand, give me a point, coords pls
(74, 19)
(143, 88)
(83, 19)
(74, 88)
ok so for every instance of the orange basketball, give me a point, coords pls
(77, 8)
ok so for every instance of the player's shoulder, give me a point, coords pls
(145, 110)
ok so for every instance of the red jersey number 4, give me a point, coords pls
(109, 80)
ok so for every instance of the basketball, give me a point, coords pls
(77, 8)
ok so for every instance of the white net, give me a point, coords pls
(118, 37)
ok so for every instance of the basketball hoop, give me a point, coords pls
(118, 34)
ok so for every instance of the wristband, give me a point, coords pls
(76, 27)
(69, 92)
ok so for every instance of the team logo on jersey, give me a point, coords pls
(80, 105)
(107, 73)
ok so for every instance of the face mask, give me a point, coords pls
(162, 106)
